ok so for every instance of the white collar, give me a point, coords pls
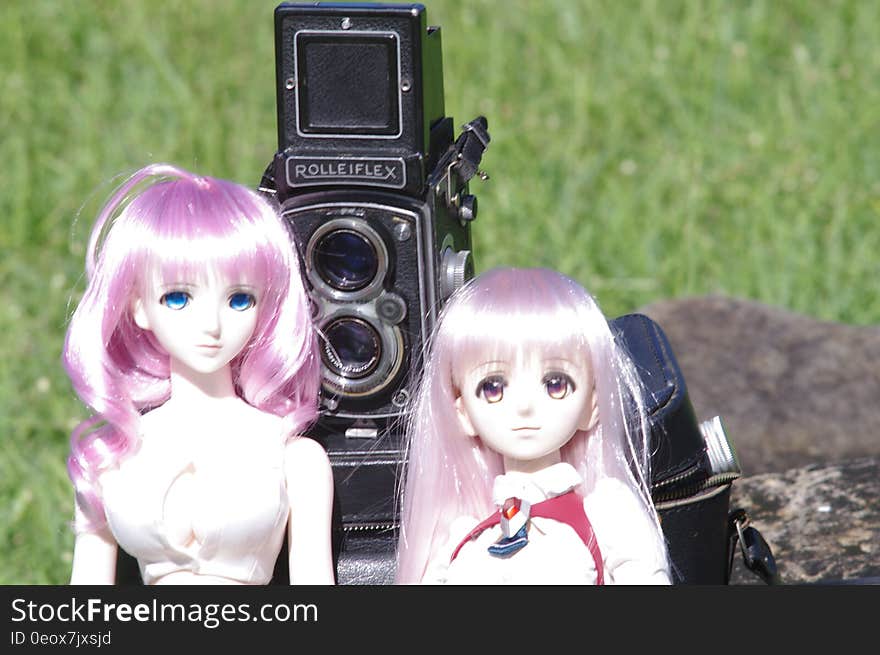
(549, 482)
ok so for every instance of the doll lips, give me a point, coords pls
(526, 427)
(210, 346)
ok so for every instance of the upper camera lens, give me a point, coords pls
(353, 347)
(346, 260)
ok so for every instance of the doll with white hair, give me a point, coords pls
(194, 349)
(528, 446)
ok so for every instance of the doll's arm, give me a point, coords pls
(632, 546)
(310, 492)
(94, 558)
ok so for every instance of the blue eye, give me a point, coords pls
(491, 389)
(241, 301)
(175, 299)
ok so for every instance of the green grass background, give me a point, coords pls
(650, 150)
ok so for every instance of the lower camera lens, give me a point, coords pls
(346, 260)
(352, 348)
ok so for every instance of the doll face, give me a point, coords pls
(202, 323)
(528, 408)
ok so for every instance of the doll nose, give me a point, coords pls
(209, 321)
(524, 401)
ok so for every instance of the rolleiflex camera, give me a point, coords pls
(373, 185)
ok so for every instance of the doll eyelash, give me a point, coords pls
(242, 301)
(491, 389)
(558, 385)
(175, 300)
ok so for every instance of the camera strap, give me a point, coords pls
(470, 145)
(463, 157)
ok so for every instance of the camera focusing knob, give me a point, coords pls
(456, 268)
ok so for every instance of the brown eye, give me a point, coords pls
(558, 385)
(491, 389)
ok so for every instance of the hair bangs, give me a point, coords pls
(189, 227)
(495, 319)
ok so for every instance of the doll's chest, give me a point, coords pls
(554, 554)
(200, 498)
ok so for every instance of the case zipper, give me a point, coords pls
(370, 527)
(688, 490)
(723, 463)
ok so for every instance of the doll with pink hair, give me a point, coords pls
(194, 349)
(527, 448)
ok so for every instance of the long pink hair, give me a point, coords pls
(167, 221)
(448, 474)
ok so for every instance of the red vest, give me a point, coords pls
(567, 508)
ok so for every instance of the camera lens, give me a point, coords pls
(346, 260)
(352, 348)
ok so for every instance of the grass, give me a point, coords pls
(651, 150)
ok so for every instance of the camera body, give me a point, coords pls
(374, 188)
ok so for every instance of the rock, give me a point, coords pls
(791, 391)
(821, 522)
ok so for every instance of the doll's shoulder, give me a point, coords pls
(158, 420)
(611, 500)
(304, 451)
(306, 464)
(610, 490)
(619, 515)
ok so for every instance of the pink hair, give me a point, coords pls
(167, 221)
(448, 474)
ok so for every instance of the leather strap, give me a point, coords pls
(567, 508)
(470, 145)
(757, 555)
(464, 155)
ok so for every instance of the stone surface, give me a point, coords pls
(822, 522)
(791, 391)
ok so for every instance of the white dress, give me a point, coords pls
(632, 551)
(213, 504)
